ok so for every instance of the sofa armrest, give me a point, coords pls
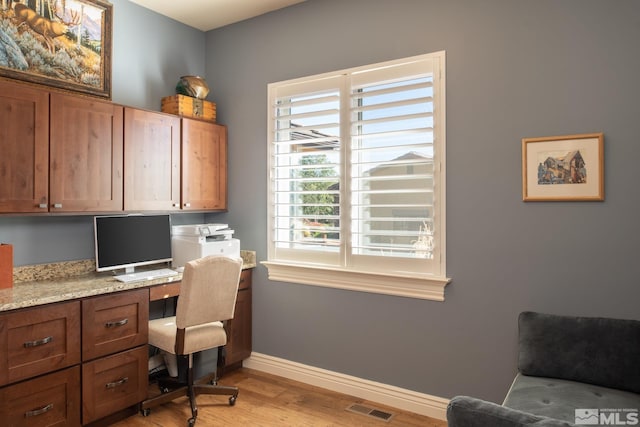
(593, 350)
(464, 411)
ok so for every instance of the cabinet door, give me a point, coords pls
(86, 147)
(204, 165)
(151, 160)
(239, 328)
(24, 138)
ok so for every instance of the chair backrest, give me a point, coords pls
(594, 350)
(208, 291)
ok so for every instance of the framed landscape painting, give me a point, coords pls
(60, 43)
(563, 168)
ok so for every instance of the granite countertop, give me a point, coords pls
(47, 283)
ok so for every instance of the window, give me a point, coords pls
(356, 186)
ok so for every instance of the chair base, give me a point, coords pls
(173, 388)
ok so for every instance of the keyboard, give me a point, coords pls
(146, 275)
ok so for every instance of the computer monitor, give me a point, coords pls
(129, 241)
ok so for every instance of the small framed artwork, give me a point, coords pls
(563, 168)
(59, 43)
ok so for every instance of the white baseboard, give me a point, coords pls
(396, 397)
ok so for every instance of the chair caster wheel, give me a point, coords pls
(145, 412)
(191, 422)
(232, 400)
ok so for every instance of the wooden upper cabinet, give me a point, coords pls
(204, 165)
(24, 144)
(151, 160)
(85, 155)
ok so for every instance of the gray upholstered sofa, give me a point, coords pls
(571, 370)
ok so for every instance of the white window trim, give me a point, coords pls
(412, 285)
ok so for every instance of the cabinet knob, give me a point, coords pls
(42, 206)
(176, 205)
(187, 205)
(57, 205)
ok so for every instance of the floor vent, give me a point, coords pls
(370, 412)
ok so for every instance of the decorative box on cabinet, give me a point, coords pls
(239, 330)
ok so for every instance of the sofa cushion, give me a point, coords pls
(465, 411)
(559, 399)
(594, 350)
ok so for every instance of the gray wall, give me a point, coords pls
(515, 69)
(149, 54)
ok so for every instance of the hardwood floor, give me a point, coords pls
(268, 400)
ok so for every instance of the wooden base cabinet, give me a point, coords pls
(43, 354)
(115, 332)
(239, 330)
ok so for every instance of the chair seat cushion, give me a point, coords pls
(559, 399)
(162, 334)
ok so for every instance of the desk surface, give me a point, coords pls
(39, 292)
(31, 294)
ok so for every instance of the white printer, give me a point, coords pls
(189, 242)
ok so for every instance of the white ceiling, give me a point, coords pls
(206, 15)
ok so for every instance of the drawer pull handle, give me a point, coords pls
(37, 343)
(117, 383)
(40, 411)
(116, 324)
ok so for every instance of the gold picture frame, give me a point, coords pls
(563, 168)
(59, 43)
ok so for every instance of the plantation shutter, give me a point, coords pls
(306, 169)
(392, 161)
(355, 170)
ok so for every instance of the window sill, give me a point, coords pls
(411, 286)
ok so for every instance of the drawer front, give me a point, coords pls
(39, 340)
(245, 279)
(161, 292)
(114, 322)
(50, 400)
(113, 383)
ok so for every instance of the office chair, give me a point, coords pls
(207, 297)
